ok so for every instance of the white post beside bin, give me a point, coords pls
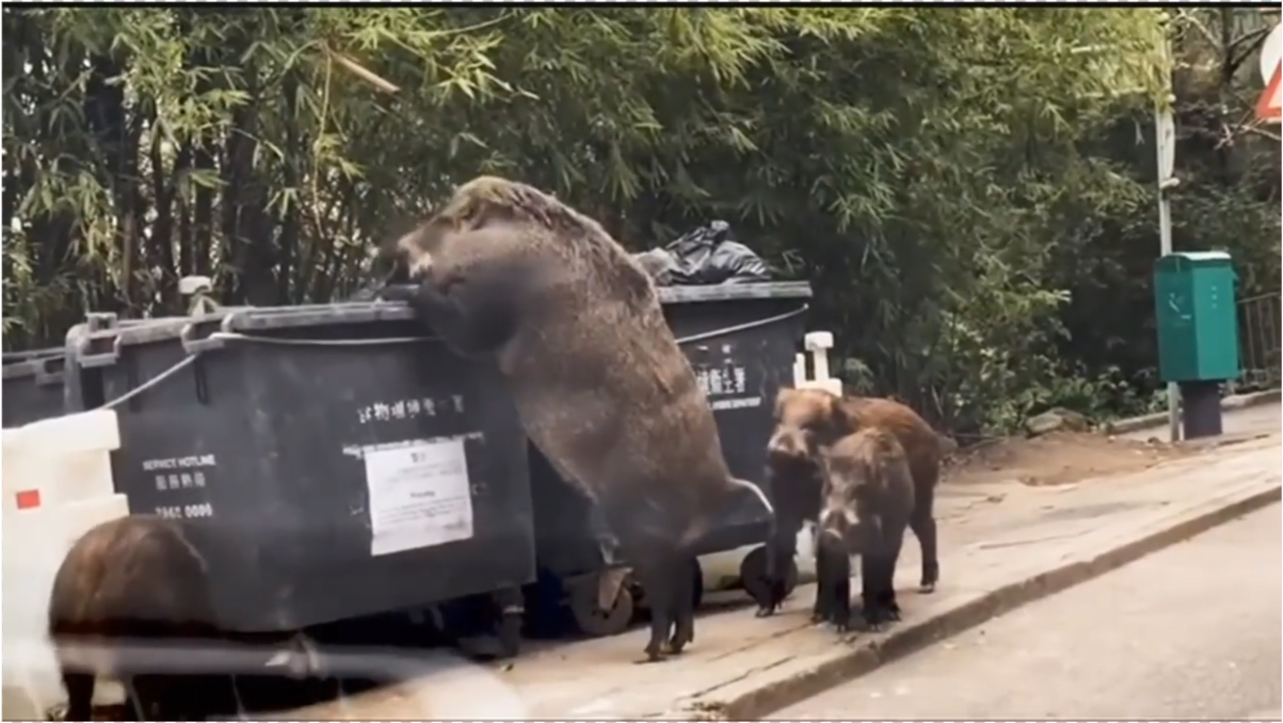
(57, 484)
(817, 344)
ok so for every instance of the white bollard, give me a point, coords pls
(818, 343)
(57, 484)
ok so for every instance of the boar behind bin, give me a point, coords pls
(508, 272)
(807, 419)
(865, 507)
(134, 582)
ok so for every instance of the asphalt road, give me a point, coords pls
(1191, 632)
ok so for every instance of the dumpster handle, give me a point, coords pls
(45, 377)
(186, 362)
(704, 336)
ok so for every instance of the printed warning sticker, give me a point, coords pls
(420, 495)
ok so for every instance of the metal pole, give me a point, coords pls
(1165, 142)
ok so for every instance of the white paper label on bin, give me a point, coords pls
(420, 495)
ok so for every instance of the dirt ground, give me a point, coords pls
(1058, 458)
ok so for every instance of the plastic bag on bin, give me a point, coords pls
(708, 255)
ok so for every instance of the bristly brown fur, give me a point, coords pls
(488, 200)
(129, 581)
(602, 388)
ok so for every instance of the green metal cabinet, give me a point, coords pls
(1197, 317)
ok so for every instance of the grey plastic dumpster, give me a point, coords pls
(332, 462)
(742, 340)
(36, 383)
(33, 386)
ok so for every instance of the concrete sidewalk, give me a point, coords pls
(1240, 410)
(1001, 545)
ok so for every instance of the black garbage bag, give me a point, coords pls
(708, 255)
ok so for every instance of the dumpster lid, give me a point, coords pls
(249, 319)
(360, 312)
(15, 357)
(18, 364)
(733, 292)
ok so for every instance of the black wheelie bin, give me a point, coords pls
(742, 340)
(332, 461)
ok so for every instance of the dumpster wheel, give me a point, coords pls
(592, 619)
(753, 575)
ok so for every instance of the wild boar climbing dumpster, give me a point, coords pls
(332, 462)
(741, 340)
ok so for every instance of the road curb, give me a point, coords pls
(1237, 401)
(756, 700)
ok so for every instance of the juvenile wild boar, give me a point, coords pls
(865, 508)
(134, 581)
(510, 273)
(807, 419)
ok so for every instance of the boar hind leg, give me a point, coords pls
(683, 606)
(923, 524)
(80, 695)
(659, 580)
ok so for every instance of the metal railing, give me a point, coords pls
(1259, 321)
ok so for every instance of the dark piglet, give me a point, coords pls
(135, 581)
(510, 273)
(866, 503)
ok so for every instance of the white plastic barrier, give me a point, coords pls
(57, 484)
(817, 343)
(721, 569)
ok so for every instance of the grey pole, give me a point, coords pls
(1165, 141)
(1165, 145)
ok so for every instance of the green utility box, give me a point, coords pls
(1197, 317)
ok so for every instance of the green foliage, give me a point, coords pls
(970, 190)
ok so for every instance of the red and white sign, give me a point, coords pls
(28, 499)
(1267, 108)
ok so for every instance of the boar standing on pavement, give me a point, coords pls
(510, 273)
(866, 503)
(808, 419)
